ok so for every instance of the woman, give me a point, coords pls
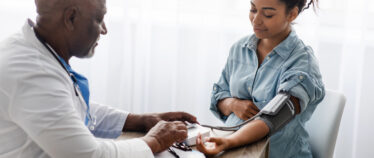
(274, 59)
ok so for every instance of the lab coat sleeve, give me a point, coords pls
(221, 90)
(42, 105)
(302, 78)
(110, 121)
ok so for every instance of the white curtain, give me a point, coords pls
(165, 55)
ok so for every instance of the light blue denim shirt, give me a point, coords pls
(292, 67)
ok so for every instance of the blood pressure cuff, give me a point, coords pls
(278, 112)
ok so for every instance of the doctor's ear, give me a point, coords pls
(70, 17)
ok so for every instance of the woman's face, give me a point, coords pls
(269, 18)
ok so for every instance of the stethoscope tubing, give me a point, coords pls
(75, 84)
(231, 128)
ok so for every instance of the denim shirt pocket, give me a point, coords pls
(261, 99)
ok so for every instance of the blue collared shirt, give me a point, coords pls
(82, 83)
(109, 121)
(292, 67)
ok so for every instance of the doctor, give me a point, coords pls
(45, 109)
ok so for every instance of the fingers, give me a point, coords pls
(179, 116)
(200, 145)
(243, 116)
(214, 140)
(169, 132)
(178, 131)
(211, 149)
(254, 107)
(251, 110)
(188, 117)
(180, 125)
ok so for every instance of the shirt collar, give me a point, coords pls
(284, 48)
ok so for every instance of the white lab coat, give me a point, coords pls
(40, 115)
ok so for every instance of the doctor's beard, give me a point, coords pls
(90, 53)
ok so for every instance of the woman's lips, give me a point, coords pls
(258, 29)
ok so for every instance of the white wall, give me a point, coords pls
(165, 55)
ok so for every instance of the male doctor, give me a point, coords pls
(44, 105)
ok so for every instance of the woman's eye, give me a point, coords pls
(269, 16)
(253, 10)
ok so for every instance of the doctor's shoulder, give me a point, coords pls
(18, 56)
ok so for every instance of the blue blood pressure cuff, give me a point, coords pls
(278, 112)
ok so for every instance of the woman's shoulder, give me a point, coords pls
(303, 51)
(245, 41)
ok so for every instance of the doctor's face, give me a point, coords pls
(89, 28)
(269, 18)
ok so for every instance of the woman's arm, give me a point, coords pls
(249, 133)
(253, 131)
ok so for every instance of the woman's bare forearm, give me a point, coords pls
(249, 133)
(224, 106)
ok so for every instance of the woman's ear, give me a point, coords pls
(292, 15)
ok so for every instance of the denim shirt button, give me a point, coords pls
(301, 77)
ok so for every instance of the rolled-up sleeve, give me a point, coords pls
(221, 90)
(303, 79)
(110, 121)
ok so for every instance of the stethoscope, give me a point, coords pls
(90, 121)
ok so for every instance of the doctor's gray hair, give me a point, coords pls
(44, 7)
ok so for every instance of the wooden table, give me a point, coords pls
(259, 149)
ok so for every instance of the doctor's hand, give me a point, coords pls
(244, 109)
(164, 134)
(213, 146)
(151, 120)
(144, 122)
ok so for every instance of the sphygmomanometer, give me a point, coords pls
(276, 114)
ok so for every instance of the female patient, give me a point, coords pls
(260, 66)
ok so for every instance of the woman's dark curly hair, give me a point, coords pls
(301, 4)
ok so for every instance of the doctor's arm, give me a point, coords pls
(144, 122)
(112, 122)
(43, 107)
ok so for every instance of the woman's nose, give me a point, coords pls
(257, 19)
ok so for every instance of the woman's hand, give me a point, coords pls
(215, 145)
(244, 109)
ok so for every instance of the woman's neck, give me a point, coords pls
(265, 46)
(268, 44)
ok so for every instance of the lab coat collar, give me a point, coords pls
(28, 31)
